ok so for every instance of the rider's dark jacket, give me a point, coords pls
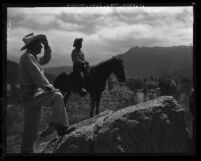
(78, 64)
(78, 57)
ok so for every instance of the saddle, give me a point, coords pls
(87, 77)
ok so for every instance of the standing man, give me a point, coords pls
(36, 91)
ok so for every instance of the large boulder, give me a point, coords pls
(156, 126)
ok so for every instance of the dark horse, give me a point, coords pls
(100, 73)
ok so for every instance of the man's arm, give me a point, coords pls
(86, 62)
(47, 52)
(47, 56)
(76, 58)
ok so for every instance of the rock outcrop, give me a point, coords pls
(155, 126)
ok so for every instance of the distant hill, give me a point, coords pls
(146, 62)
(12, 73)
(157, 61)
(151, 61)
(58, 70)
(50, 77)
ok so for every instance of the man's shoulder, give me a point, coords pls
(75, 51)
(27, 56)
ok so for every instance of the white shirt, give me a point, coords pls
(31, 74)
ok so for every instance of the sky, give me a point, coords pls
(106, 31)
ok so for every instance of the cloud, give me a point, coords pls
(106, 30)
(90, 19)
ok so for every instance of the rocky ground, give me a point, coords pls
(155, 126)
(78, 110)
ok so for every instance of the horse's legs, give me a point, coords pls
(66, 96)
(92, 105)
(97, 103)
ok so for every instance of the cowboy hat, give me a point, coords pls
(76, 41)
(28, 39)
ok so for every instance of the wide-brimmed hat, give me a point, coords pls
(76, 41)
(28, 39)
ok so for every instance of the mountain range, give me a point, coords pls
(138, 61)
(58, 70)
(151, 61)
(158, 61)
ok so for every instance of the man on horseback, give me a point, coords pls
(80, 65)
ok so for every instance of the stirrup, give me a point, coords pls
(83, 92)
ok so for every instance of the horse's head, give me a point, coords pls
(118, 69)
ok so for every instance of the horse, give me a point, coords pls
(67, 83)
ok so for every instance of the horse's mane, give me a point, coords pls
(64, 74)
(105, 61)
(102, 62)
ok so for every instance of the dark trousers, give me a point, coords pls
(78, 70)
(32, 116)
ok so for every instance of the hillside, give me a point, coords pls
(148, 61)
(140, 62)
(58, 70)
(151, 61)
